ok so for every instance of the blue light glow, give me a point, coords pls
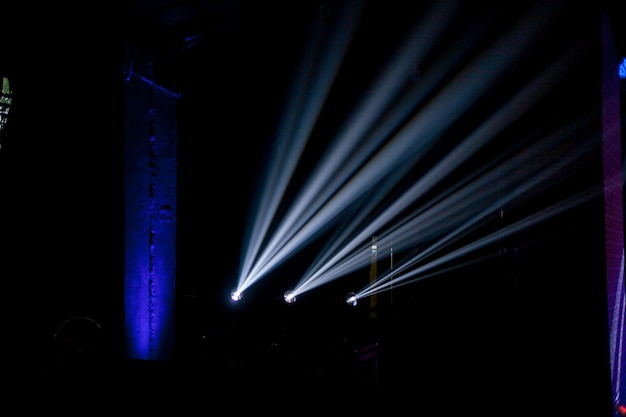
(150, 224)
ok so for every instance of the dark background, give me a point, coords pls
(525, 329)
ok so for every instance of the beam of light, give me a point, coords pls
(326, 179)
(352, 148)
(463, 230)
(294, 132)
(398, 153)
(383, 93)
(463, 208)
(341, 257)
(540, 216)
(456, 214)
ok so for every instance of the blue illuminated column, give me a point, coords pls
(614, 217)
(150, 216)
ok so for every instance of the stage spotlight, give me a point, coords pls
(290, 297)
(352, 299)
(235, 296)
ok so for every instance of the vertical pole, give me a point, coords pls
(613, 203)
(150, 217)
(373, 277)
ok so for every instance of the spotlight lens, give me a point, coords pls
(352, 299)
(290, 297)
(235, 296)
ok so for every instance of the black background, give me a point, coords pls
(529, 325)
